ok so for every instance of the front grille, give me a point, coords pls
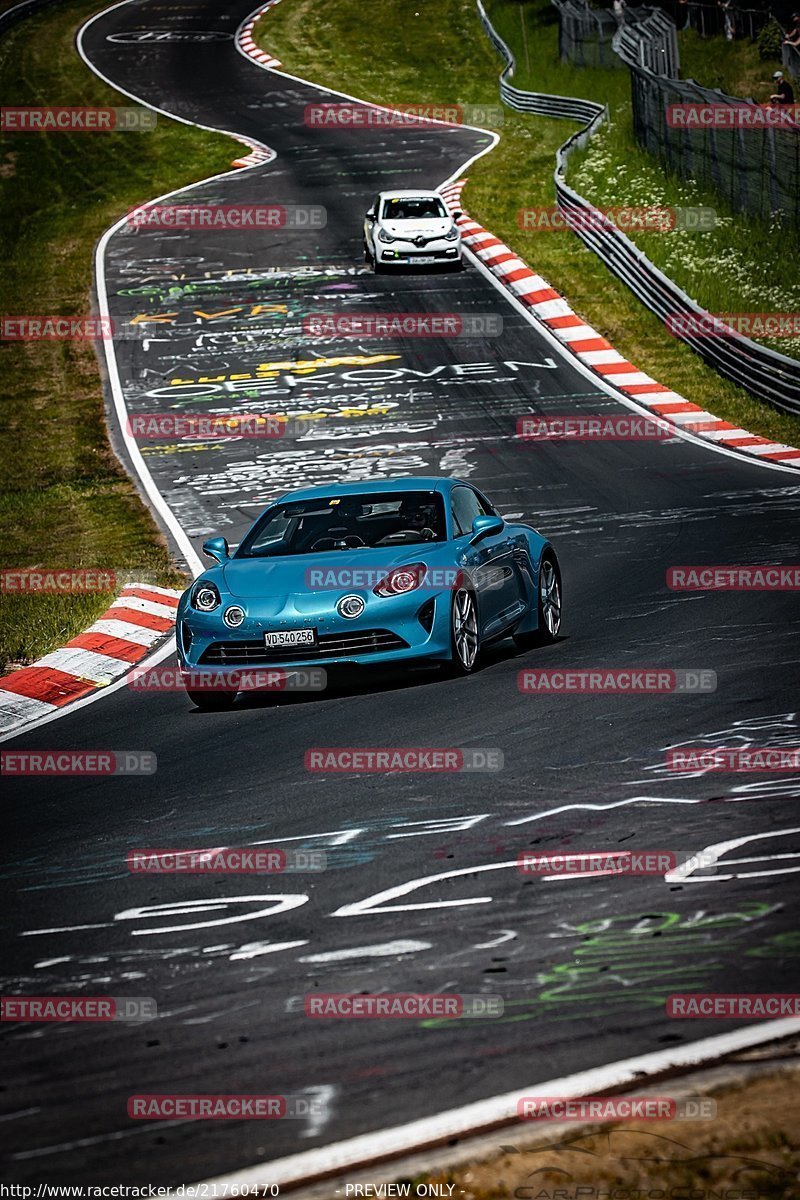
(416, 251)
(330, 645)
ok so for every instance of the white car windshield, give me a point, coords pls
(414, 209)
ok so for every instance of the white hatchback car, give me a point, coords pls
(411, 227)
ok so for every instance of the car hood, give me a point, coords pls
(428, 227)
(338, 571)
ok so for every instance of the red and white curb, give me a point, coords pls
(595, 352)
(258, 154)
(140, 617)
(246, 45)
(245, 40)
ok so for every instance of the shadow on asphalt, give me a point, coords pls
(376, 681)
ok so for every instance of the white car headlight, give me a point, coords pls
(205, 597)
(233, 616)
(451, 235)
(383, 236)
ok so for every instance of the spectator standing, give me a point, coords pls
(790, 49)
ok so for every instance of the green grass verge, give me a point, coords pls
(749, 1150)
(734, 67)
(65, 499)
(442, 56)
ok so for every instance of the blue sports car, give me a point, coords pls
(403, 570)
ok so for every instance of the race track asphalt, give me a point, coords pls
(584, 964)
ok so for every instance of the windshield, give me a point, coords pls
(346, 523)
(415, 208)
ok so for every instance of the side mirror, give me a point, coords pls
(371, 215)
(216, 548)
(486, 526)
(458, 213)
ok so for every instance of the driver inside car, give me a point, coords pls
(419, 517)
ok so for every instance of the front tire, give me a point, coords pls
(211, 701)
(548, 604)
(465, 642)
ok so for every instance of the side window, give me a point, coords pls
(465, 508)
(485, 506)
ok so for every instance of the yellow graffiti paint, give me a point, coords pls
(303, 366)
(169, 318)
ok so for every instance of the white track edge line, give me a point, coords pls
(65, 710)
(385, 1144)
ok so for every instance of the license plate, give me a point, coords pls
(422, 258)
(290, 637)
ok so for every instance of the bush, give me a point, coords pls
(770, 40)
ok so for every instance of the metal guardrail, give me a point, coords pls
(790, 57)
(540, 103)
(763, 372)
(652, 43)
(589, 37)
(710, 19)
(585, 35)
(756, 169)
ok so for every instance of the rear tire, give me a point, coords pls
(211, 701)
(549, 606)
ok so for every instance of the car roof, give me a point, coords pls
(416, 193)
(405, 483)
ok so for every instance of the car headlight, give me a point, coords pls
(350, 607)
(451, 235)
(205, 597)
(383, 236)
(402, 580)
(233, 616)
